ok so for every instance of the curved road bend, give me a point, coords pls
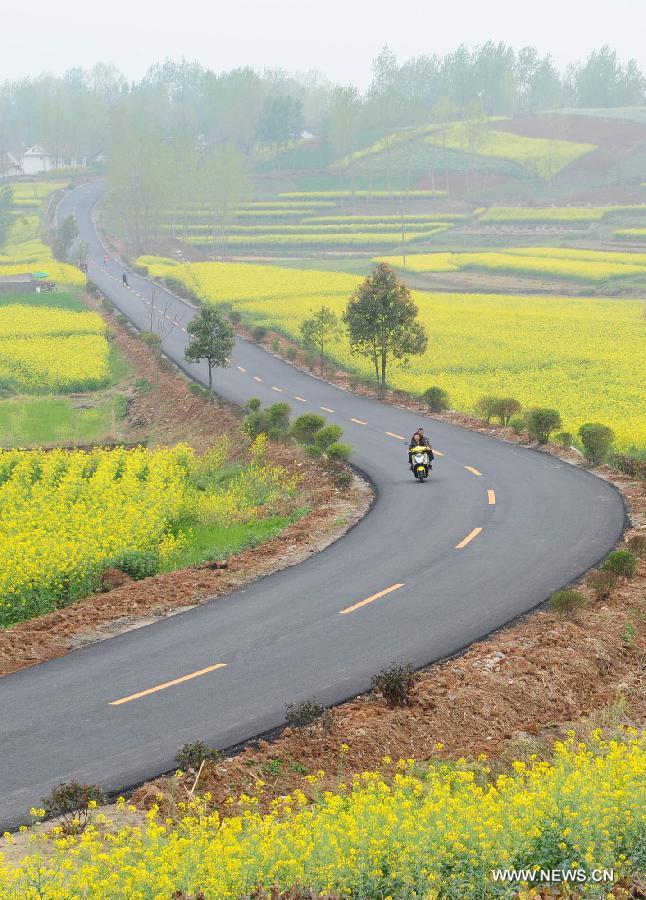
(492, 534)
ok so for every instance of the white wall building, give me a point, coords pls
(35, 161)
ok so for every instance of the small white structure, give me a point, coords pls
(36, 160)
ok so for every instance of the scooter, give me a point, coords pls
(420, 462)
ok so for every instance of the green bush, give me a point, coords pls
(253, 404)
(258, 333)
(327, 436)
(396, 684)
(150, 339)
(278, 417)
(143, 386)
(563, 439)
(517, 424)
(632, 465)
(621, 562)
(291, 354)
(234, 317)
(198, 389)
(597, 440)
(70, 801)
(137, 563)
(339, 452)
(601, 583)
(193, 754)
(275, 345)
(541, 423)
(485, 408)
(567, 603)
(254, 424)
(305, 427)
(120, 407)
(436, 398)
(313, 450)
(304, 714)
(504, 408)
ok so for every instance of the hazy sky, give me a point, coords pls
(340, 37)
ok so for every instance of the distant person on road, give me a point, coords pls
(124, 280)
(105, 260)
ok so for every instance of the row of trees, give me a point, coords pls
(73, 114)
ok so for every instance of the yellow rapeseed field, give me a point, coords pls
(584, 356)
(47, 350)
(435, 830)
(66, 514)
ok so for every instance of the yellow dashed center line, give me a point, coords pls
(302, 399)
(274, 388)
(358, 421)
(167, 684)
(398, 436)
(437, 452)
(471, 469)
(349, 609)
(241, 369)
(326, 409)
(491, 497)
(468, 538)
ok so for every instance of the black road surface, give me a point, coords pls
(495, 530)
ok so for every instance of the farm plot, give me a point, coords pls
(67, 515)
(556, 215)
(584, 356)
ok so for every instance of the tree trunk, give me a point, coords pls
(382, 387)
(210, 367)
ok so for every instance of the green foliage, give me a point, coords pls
(291, 354)
(436, 398)
(211, 338)
(70, 801)
(198, 389)
(259, 333)
(303, 714)
(278, 417)
(563, 439)
(143, 386)
(234, 317)
(272, 421)
(66, 234)
(320, 330)
(381, 319)
(567, 603)
(339, 452)
(305, 427)
(327, 435)
(150, 339)
(253, 404)
(7, 213)
(637, 545)
(541, 422)
(517, 424)
(194, 753)
(601, 583)
(137, 563)
(396, 684)
(597, 440)
(621, 562)
(504, 409)
(485, 408)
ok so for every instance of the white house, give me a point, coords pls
(35, 161)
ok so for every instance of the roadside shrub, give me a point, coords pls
(143, 386)
(71, 802)
(304, 714)
(306, 426)
(254, 424)
(563, 439)
(191, 755)
(633, 466)
(601, 583)
(396, 684)
(278, 417)
(485, 408)
(597, 440)
(253, 404)
(436, 398)
(517, 424)
(504, 408)
(137, 563)
(339, 452)
(343, 479)
(621, 562)
(258, 333)
(234, 317)
(541, 423)
(327, 436)
(291, 353)
(275, 345)
(121, 404)
(567, 603)
(311, 360)
(637, 544)
(150, 339)
(198, 389)
(314, 451)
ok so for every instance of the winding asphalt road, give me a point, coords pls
(491, 535)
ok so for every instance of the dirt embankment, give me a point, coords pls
(167, 412)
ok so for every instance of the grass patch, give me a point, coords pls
(36, 421)
(53, 300)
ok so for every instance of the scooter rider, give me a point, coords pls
(419, 439)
